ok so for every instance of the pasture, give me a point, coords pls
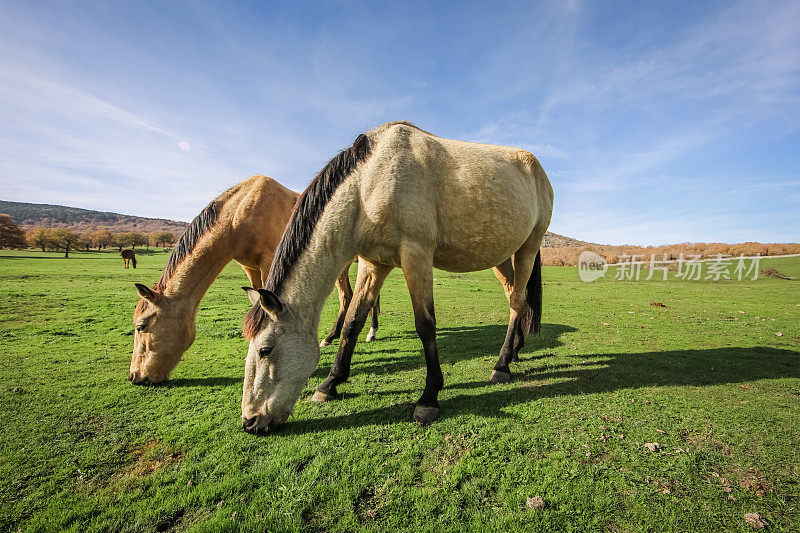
(707, 377)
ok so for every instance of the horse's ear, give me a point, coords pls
(252, 294)
(145, 292)
(266, 299)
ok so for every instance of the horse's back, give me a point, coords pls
(469, 202)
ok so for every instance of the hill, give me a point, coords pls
(29, 215)
(554, 240)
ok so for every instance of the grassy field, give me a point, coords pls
(712, 378)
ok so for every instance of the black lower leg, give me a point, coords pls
(434, 381)
(337, 326)
(512, 344)
(519, 342)
(340, 370)
(376, 308)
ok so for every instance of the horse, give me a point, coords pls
(128, 257)
(399, 197)
(245, 224)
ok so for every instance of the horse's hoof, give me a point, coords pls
(498, 376)
(371, 336)
(324, 343)
(425, 415)
(320, 396)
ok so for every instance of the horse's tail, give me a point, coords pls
(531, 316)
(133, 261)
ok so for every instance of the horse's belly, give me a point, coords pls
(479, 253)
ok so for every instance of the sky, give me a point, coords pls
(656, 122)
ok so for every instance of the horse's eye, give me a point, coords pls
(141, 327)
(265, 351)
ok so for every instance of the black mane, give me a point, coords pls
(198, 227)
(306, 214)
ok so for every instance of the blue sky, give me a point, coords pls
(656, 122)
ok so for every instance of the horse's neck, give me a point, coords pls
(195, 274)
(331, 249)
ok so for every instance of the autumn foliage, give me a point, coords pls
(568, 255)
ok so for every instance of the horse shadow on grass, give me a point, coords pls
(210, 381)
(454, 344)
(587, 374)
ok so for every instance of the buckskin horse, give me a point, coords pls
(245, 223)
(398, 197)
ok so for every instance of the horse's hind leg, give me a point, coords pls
(368, 285)
(524, 261)
(505, 274)
(345, 296)
(373, 329)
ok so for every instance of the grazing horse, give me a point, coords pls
(245, 223)
(398, 197)
(128, 257)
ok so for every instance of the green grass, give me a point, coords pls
(83, 450)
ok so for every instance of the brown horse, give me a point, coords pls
(128, 257)
(399, 197)
(244, 224)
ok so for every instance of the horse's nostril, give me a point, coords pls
(130, 377)
(249, 424)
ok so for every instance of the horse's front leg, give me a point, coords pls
(418, 271)
(368, 285)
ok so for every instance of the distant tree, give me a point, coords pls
(138, 239)
(40, 237)
(86, 240)
(11, 236)
(163, 238)
(122, 240)
(102, 238)
(66, 239)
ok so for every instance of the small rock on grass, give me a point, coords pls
(755, 520)
(537, 502)
(652, 446)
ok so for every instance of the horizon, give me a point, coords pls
(655, 245)
(656, 124)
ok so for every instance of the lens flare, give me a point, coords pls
(183, 145)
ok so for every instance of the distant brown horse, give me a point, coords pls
(129, 258)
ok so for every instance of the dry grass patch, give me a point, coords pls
(147, 459)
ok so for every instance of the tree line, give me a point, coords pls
(67, 240)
